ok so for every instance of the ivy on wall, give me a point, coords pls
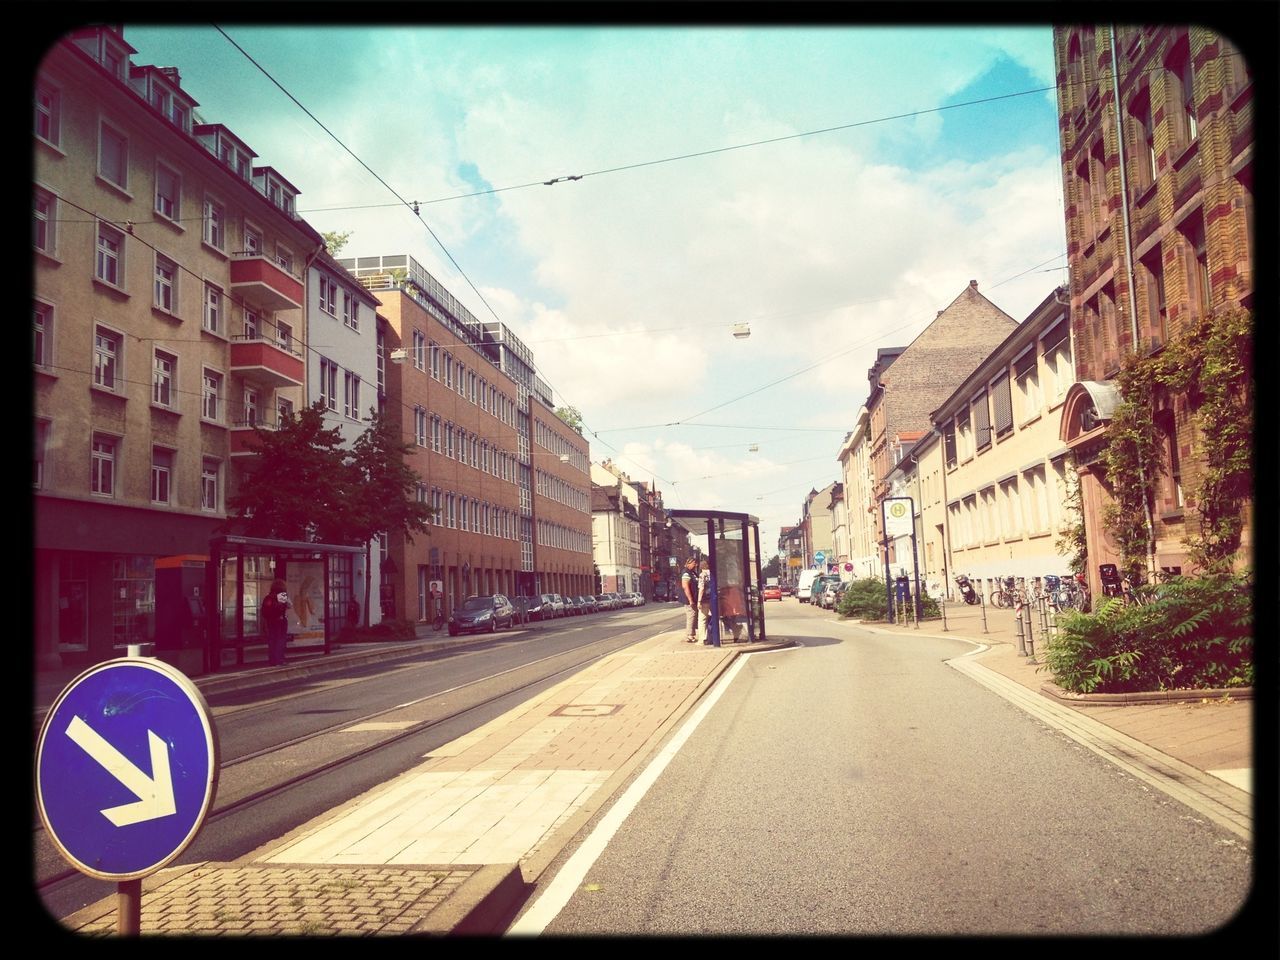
(1211, 364)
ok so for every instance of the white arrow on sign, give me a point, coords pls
(155, 793)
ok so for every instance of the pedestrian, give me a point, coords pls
(353, 613)
(689, 587)
(274, 610)
(704, 598)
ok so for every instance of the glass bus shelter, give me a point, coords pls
(733, 552)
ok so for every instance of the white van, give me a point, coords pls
(805, 587)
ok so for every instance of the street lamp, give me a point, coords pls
(741, 331)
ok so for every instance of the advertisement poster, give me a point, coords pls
(305, 583)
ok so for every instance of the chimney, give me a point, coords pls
(973, 284)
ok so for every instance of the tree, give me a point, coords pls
(385, 498)
(335, 240)
(297, 486)
(571, 416)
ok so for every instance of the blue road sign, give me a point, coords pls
(126, 768)
(819, 557)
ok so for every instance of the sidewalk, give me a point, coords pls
(450, 846)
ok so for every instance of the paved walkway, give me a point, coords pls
(450, 845)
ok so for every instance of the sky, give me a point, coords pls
(883, 190)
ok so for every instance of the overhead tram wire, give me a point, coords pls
(551, 181)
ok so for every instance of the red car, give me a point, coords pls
(773, 593)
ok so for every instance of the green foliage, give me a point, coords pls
(571, 416)
(1187, 633)
(864, 599)
(1071, 541)
(1211, 364)
(302, 485)
(296, 486)
(335, 240)
(386, 493)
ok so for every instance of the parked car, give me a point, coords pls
(571, 606)
(804, 587)
(788, 590)
(536, 609)
(635, 599)
(821, 585)
(552, 606)
(477, 614)
(773, 592)
(587, 604)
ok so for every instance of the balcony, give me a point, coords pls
(242, 421)
(267, 362)
(260, 280)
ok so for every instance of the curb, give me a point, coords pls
(481, 906)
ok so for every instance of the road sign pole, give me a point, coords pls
(129, 908)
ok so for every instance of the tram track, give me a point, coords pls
(365, 751)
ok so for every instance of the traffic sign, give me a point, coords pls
(819, 557)
(126, 768)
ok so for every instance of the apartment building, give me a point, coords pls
(615, 537)
(562, 500)
(503, 471)
(168, 319)
(860, 506)
(817, 522)
(908, 383)
(1005, 477)
(1156, 126)
(456, 409)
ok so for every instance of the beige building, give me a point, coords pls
(1005, 476)
(855, 471)
(168, 321)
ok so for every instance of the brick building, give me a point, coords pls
(908, 383)
(1156, 127)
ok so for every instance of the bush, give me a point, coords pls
(864, 599)
(1189, 633)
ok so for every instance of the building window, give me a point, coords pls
(435, 360)
(284, 410)
(109, 267)
(448, 371)
(1192, 230)
(350, 311)
(1002, 404)
(113, 156)
(420, 426)
(214, 224)
(981, 421)
(252, 405)
(48, 126)
(435, 434)
(328, 296)
(161, 475)
(212, 309)
(284, 336)
(211, 397)
(1026, 372)
(166, 292)
(168, 193)
(329, 384)
(419, 350)
(252, 240)
(102, 480)
(163, 379)
(1145, 156)
(450, 506)
(1182, 72)
(209, 484)
(41, 445)
(1152, 269)
(42, 334)
(448, 440)
(284, 258)
(1172, 482)
(251, 325)
(351, 396)
(44, 224)
(107, 345)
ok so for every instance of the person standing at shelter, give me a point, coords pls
(689, 587)
(704, 598)
(274, 610)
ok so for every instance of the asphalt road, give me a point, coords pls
(857, 785)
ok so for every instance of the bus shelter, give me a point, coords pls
(733, 553)
(318, 577)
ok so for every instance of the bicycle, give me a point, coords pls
(1004, 595)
